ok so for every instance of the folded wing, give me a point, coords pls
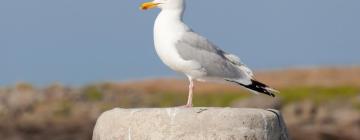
(216, 62)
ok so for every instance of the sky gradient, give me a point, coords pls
(83, 41)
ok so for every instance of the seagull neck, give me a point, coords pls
(169, 24)
(171, 15)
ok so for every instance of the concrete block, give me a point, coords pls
(190, 124)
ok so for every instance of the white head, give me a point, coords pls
(164, 5)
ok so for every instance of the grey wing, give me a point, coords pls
(217, 63)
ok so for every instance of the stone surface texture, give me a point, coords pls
(190, 124)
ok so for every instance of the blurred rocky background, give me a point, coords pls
(317, 104)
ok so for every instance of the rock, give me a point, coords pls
(190, 124)
(301, 112)
(336, 120)
(20, 100)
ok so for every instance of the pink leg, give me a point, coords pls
(190, 97)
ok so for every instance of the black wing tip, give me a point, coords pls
(272, 95)
(262, 88)
(258, 87)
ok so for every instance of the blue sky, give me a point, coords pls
(85, 41)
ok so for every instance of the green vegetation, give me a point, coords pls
(218, 99)
(166, 99)
(287, 95)
(24, 86)
(92, 93)
(63, 109)
(318, 94)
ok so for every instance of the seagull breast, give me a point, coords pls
(168, 30)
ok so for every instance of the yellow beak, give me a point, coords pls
(148, 5)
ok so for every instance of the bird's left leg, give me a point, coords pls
(190, 96)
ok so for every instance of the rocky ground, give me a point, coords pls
(317, 104)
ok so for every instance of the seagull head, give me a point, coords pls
(164, 5)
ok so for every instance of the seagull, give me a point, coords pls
(185, 51)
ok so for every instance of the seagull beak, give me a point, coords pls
(148, 5)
